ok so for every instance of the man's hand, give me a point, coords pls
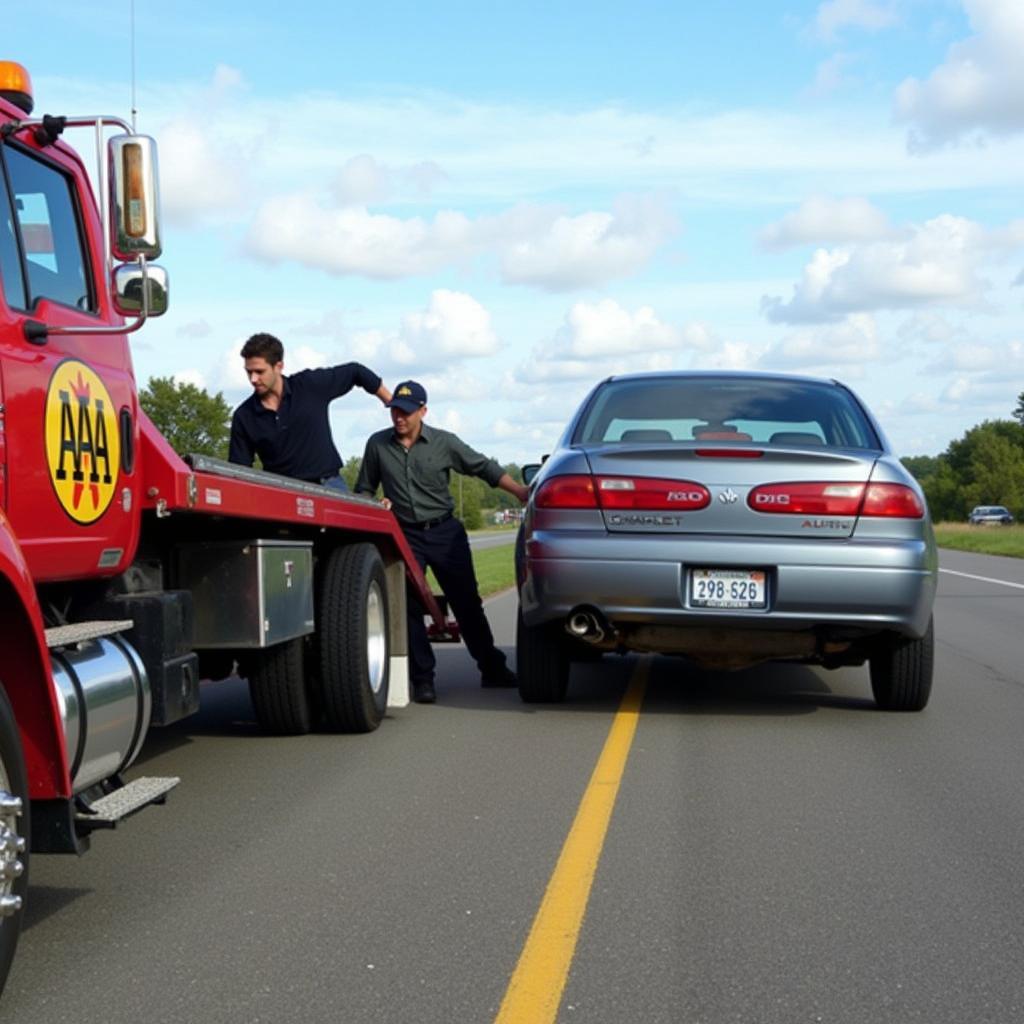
(513, 487)
(386, 502)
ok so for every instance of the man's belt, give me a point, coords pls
(427, 524)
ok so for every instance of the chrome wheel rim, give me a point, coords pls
(376, 637)
(12, 845)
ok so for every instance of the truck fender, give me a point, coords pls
(25, 674)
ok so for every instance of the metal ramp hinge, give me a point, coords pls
(108, 810)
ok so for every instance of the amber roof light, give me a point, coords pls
(16, 85)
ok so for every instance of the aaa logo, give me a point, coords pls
(83, 446)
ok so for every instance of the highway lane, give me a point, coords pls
(779, 851)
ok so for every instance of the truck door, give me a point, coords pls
(69, 399)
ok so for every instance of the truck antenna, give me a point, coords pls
(132, 21)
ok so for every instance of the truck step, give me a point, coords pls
(78, 632)
(112, 808)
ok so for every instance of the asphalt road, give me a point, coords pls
(779, 851)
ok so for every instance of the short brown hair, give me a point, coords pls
(264, 346)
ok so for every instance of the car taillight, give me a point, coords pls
(621, 492)
(566, 492)
(826, 498)
(644, 492)
(892, 501)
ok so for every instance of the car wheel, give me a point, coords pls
(352, 635)
(14, 829)
(278, 688)
(901, 673)
(542, 662)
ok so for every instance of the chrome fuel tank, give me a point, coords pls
(104, 697)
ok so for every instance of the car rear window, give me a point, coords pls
(761, 410)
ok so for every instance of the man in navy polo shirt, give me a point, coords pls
(285, 422)
(412, 462)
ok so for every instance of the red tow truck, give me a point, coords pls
(129, 573)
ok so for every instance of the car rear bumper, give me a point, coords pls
(844, 584)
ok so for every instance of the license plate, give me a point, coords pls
(728, 588)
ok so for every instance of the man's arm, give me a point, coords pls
(240, 448)
(516, 489)
(471, 462)
(368, 479)
(383, 394)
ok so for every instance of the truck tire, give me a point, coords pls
(278, 687)
(352, 636)
(901, 673)
(14, 831)
(542, 662)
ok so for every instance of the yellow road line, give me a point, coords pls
(535, 991)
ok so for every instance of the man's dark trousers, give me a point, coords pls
(445, 549)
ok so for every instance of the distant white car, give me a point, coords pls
(987, 515)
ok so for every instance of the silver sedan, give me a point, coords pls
(733, 518)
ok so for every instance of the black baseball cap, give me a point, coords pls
(408, 396)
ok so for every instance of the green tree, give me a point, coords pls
(1018, 413)
(350, 471)
(984, 467)
(189, 417)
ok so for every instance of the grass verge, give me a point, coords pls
(985, 540)
(495, 568)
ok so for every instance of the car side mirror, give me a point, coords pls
(530, 471)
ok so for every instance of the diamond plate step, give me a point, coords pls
(138, 793)
(77, 632)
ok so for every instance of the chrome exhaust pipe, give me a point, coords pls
(586, 625)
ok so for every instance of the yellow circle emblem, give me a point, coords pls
(83, 445)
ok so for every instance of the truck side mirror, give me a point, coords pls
(140, 290)
(134, 205)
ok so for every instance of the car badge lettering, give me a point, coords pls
(643, 520)
(694, 496)
(824, 524)
(771, 499)
(728, 496)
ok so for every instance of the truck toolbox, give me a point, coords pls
(248, 593)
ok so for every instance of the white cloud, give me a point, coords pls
(831, 75)
(590, 248)
(937, 264)
(190, 376)
(822, 220)
(834, 16)
(978, 90)
(455, 325)
(607, 329)
(536, 245)
(852, 342)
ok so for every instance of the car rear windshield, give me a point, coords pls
(761, 410)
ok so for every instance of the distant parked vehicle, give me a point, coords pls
(731, 517)
(989, 515)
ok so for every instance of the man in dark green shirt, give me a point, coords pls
(412, 463)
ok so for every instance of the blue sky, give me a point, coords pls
(509, 205)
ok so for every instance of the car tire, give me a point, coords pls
(278, 688)
(542, 662)
(14, 831)
(352, 638)
(901, 673)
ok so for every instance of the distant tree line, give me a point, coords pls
(984, 467)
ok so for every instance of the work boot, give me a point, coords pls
(424, 693)
(503, 676)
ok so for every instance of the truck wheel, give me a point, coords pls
(542, 663)
(14, 830)
(277, 685)
(352, 632)
(901, 673)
